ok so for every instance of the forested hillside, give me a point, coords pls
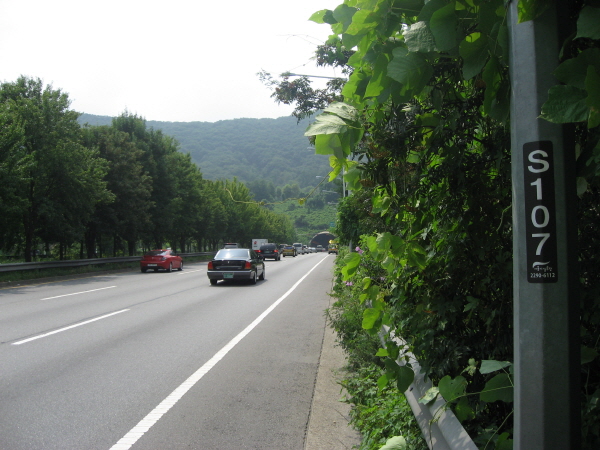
(68, 191)
(250, 149)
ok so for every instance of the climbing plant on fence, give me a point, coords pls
(425, 117)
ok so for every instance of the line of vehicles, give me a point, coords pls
(233, 262)
(276, 251)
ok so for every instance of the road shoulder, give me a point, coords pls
(328, 425)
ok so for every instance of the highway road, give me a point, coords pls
(163, 360)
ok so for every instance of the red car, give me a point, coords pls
(161, 259)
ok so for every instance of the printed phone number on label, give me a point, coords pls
(542, 275)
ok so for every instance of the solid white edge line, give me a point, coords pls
(67, 328)
(77, 293)
(127, 441)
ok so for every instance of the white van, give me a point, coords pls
(299, 248)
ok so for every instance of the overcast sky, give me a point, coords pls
(176, 60)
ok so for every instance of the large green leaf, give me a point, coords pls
(323, 16)
(355, 84)
(342, 110)
(379, 79)
(430, 395)
(395, 443)
(351, 40)
(588, 24)
(565, 104)
(404, 378)
(574, 71)
(362, 22)
(531, 9)
(498, 388)
(474, 52)
(384, 241)
(451, 389)
(429, 8)
(490, 365)
(443, 27)
(463, 410)
(326, 124)
(329, 144)
(588, 354)
(416, 255)
(371, 317)
(504, 442)
(343, 14)
(488, 17)
(419, 38)
(493, 79)
(592, 85)
(351, 261)
(352, 177)
(383, 381)
(411, 69)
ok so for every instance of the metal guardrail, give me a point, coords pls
(439, 426)
(14, 267)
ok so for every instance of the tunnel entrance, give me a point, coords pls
(321, 239)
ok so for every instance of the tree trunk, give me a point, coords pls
(131, 247)
(90, 240)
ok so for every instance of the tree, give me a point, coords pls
(213, 218)
(62, 182)
(129, 214)
(187, 202)
(262, 189)
(14, 163)
(156, 149)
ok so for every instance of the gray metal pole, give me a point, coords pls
(545, 275)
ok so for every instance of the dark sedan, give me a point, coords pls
(161, 259)
(270, 251)
(231, 264)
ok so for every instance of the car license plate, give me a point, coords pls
(151, 265)
(228, 275)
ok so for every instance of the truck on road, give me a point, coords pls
(256, 243)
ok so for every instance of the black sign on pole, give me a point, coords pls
(540, 210)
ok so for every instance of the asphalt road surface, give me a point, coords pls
(163, 360)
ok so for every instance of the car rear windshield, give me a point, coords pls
(230, 253)
(156, 253)
(268, 247)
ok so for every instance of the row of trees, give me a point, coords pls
(109, 189)
(425, 117)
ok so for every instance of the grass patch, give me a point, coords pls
(378, 414)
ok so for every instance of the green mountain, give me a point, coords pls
(250, 149)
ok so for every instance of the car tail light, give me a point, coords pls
(210, 265)
(248, 265)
